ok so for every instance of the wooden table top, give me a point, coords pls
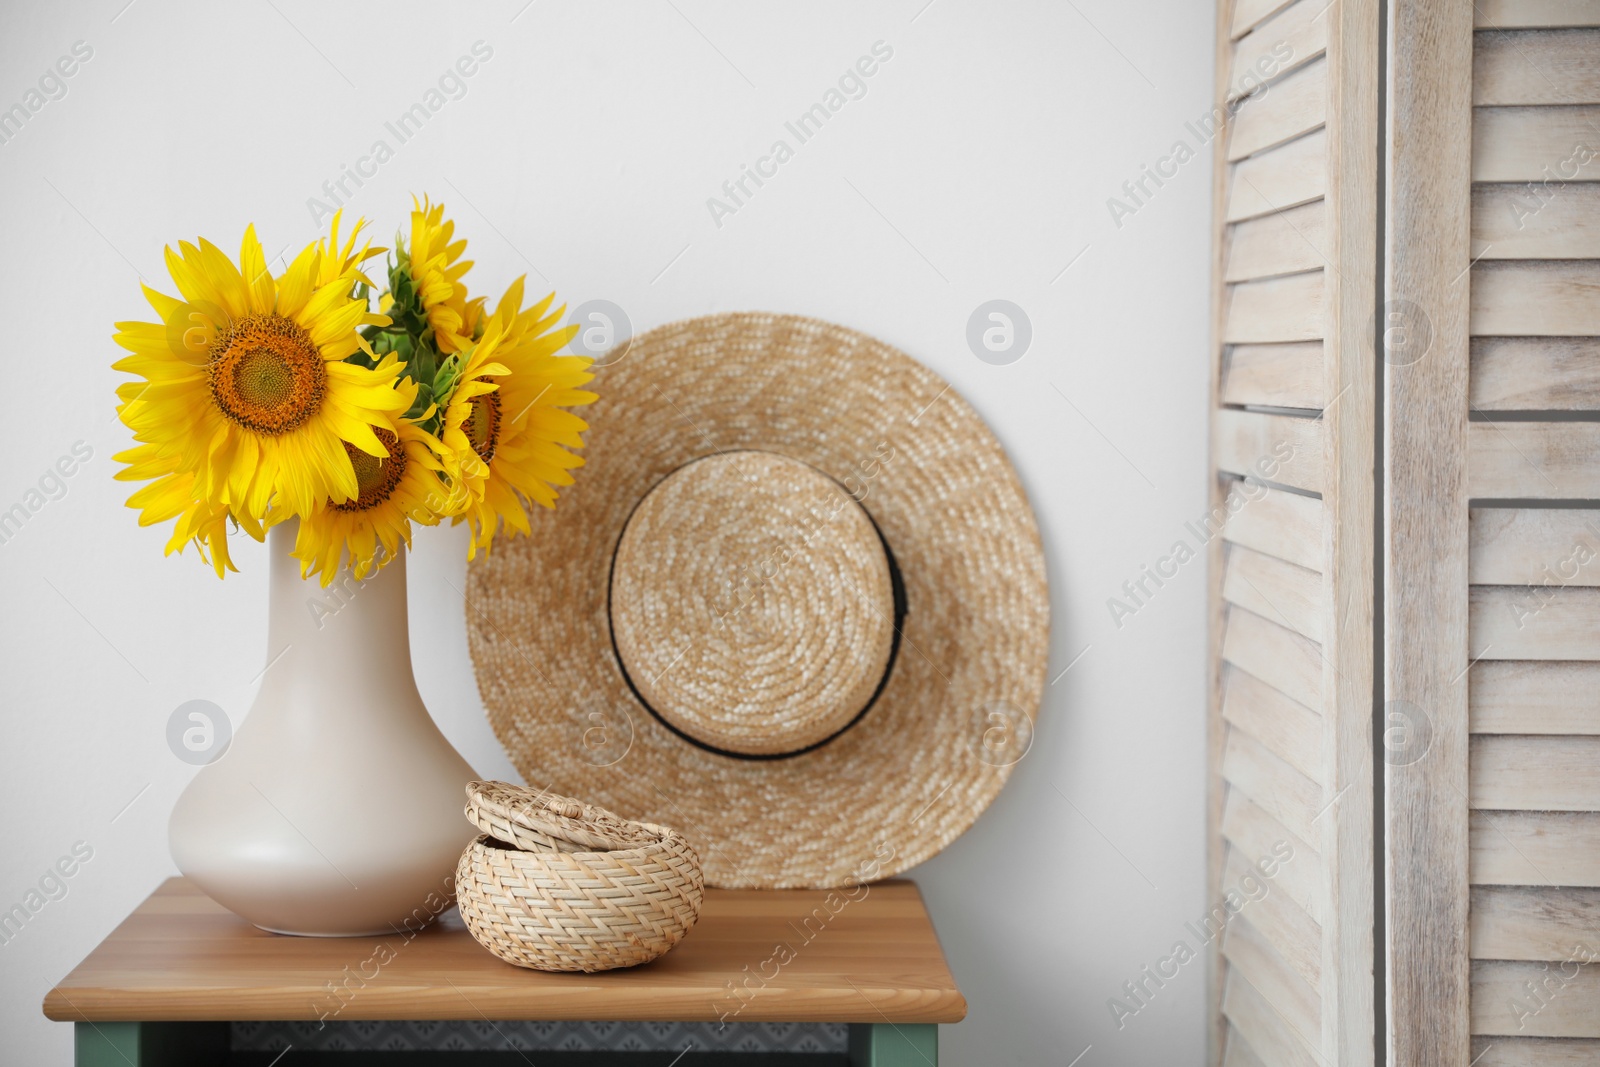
(755, 956)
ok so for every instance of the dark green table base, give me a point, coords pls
(169, 1044)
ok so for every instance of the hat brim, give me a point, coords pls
(958, 707)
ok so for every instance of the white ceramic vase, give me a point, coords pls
(337, 808)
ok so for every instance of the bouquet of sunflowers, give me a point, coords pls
(268, 397)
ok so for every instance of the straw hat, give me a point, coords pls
(795, 606)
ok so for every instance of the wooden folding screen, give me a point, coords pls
(1492, 478)
(1293, 442)
(1407, 448)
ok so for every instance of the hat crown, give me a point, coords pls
(752, 605)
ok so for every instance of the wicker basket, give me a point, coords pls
(550, 908)
(537, 820)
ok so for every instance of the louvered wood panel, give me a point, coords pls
(1533, 1052)
(1552, 298)
(1289, 994)
(1521, 14)
(1275, 655)
(1535, 848)
(1295, 105)
(1534, 460)
(1552, 547)
(1257, 835)
(1534, 922)
(1275, 522)
(1287, 41)
(1537, 67)
(1502, 1003)
(1291, 731)
(1294, 935)
(1294, 406)
(1534, 606)
(1290, 308)
(1276, 448)
(1271, 784)
(1248, 14)
(1527, 144)
(1511, 773)
(1291, 174)
(1262, 1026)
(1514, 697)
(1531, 623)
(1274, 589)
(1284, 242)
(1560, 220)
(1535, 373)
(1279, 376)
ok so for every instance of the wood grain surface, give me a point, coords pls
(1537, 67)
(1272, 784)
(1536, 848)
(1535, 460)
(1289, 308)
(1291, 174)
(1284, 242)
(1535, 373)
(1568, 1004)
(1426, 540)
(1296, 104)
(1254, 834)
(1298, 32)
(1290, 730)
(1263, 1027)
(1295, 999)
(1528, 144)
(1510, 222)
(1515, 697)
(1275, 654)
(1280, 448)
(1288, 595)
(1514, 14)
(181, 956)
(1278, 523)
(1533, 923)
(1281, 376)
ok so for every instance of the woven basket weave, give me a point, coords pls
(537, 903)
(537, 820)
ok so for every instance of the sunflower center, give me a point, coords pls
(376, 476)
(266, 375)
(483, 424)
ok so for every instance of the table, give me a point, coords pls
(163, 988)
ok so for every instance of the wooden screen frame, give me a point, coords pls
(1344, 475)
(1425, 459)
(1484, 724)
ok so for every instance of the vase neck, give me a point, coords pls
(350, 626)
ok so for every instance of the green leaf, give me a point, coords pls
(444, 381)
(422, 403)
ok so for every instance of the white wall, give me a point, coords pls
(982, 158)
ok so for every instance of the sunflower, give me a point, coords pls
(340, 260)
(171, 495)
(511, 435)
(402, 488)
(432, 265)
(465, 437)
(245, 386)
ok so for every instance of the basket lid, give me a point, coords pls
(537, 820)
